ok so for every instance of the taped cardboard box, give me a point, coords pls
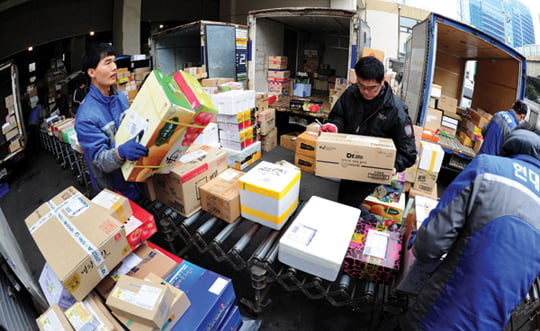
(220, 196)
(431, 157)
(117, 204)
(269, 194)
(306, 144)
(139, 264)
(79, 239)
(179, 306)
(143, 301)
(354, 157)
(53, 319)
(288, 140)
(180, 188)
(81, 318)
(426, 181)
(55, 293)
(433, 119)
(267, 120)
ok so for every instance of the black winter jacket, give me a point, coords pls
(385, 116)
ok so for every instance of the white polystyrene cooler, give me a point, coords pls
(318, 238)
(269, 194)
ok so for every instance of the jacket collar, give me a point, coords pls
(95, 93)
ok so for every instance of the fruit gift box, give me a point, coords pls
(165, 120)
(140, 226)
(373, 254)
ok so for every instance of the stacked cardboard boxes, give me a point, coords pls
(431, 157)
(306, 145)
(278, 75)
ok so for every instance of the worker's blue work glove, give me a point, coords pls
(132, 150)
(411, 239)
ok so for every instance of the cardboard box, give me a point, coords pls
(431, 157)
(53, 319)
(478, 118)
(8, 126)
(103, 316)
(447, 103)
(180, 305)
(14, 145)
(117, 204)
(354, 157)
(433, 119)
(139, 264)
(160, 113)
(279, 75)
(261, 101)
(81, 318)
(436, 91)
(288, 141)
(269, 141)
(143, 301)
(373, 254)
(220, 196)
(307, 144)
(465, 140)
(211, 297)
(269, 194)
(79, 239)
(55, 293)
(305, 163)
(180, 188)
(313, 243)
(140, 226)
(426, 181)
(215, 82)
(12, 133)
(433, 194)
(410, 173)
(373, 52)
(267, 121)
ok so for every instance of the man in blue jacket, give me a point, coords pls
(500, 126)
(97, 121)
(487, 223)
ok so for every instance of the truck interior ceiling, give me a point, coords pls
(493, 91)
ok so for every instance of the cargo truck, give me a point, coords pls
(439, 51)
(13, 137)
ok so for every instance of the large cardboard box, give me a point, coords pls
(269, 194)
(221, 197)
(426, 180)
(144, 301)
(79, 239)
(433, 119)
(354, 157)
(307, 143)
(317, 239)
(164, 120)
(53, 319)
(448, 104)
(373, 254)
(180, 188)
(139, 264)
(54, 291)
(211, 297)
(267, 120)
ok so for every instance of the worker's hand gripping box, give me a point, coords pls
(373, 254)
(80, 240)
(354, 157)
(269, 194)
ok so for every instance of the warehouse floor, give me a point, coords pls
(39, 177)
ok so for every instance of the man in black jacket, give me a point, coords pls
(369, 108)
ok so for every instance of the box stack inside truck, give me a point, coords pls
(235, 203)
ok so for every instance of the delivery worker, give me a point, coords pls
(487, 223)
(370, 108)
(500, 126)
(97, 121)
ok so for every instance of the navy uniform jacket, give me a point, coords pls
(488, 222)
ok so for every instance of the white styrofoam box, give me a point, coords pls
(269, 194)
(431, 157)
(235, 101)
(234, 155)
(53, 289)
(209, 136)
(317, 240)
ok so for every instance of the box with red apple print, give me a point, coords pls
(140, 226)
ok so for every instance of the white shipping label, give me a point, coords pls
(302, 234)
(369, 140)
(106, 199)
(376, 243)
(147, 296)
(186, 158)
(74, 206)
(227, 175)
(50, 322)
(135, 123)
(131, 224)
(217, 286)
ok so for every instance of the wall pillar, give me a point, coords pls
(127, 27)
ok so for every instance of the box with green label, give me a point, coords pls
(158, 118)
